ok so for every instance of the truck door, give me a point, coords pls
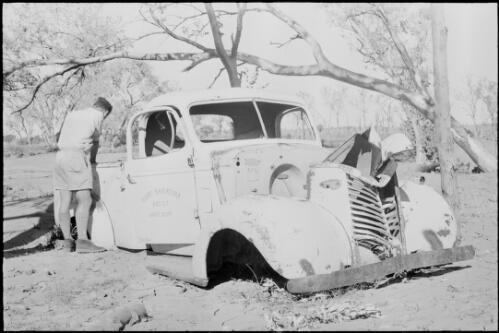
(159, 183)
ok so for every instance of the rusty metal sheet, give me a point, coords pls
(371, 272)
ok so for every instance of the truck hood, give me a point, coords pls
(254, 167)
(234, 144)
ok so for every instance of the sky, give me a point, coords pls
(472, 49)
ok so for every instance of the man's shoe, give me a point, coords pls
(86, 246)
(66, 245)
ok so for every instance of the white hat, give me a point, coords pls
(394, 144)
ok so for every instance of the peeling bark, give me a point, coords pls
(420, 154)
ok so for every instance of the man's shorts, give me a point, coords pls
(72, 170)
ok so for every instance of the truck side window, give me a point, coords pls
(157, 133)
(285, 121)
(293, 124)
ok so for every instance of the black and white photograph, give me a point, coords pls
(234, 166)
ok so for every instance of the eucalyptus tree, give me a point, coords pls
(195, 26)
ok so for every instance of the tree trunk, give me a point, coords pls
(442, 115)
(229, 61)
(475, 126)
(483, 159)
(420, 154)
(26, 131)
(234, 79)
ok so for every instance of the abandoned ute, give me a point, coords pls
(240, 176)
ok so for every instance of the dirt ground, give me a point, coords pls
(45, 289)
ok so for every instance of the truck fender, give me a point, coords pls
(429, 222)
(296, 237)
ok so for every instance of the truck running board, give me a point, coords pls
(175, 267)
(372, 272)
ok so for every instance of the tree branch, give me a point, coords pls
(220, 71)
(229, 62)
(200, 60)
(279, 45)
(130, 96)
(185, 19)
(328, 70)
(45, 80)
(239, 29)
(341, 74)
(316, 48)
(217, 38)
(274, 68)
(399, 46)
(70, 34)
(174, 35)
(195, 57)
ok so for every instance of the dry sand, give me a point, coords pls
(45, 289)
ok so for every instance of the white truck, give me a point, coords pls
(240, 175)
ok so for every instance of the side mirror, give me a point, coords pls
(397, 146)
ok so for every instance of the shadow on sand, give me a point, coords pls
(16, 246)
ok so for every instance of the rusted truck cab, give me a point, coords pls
(240, 175)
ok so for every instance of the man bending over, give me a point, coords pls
(78, 144)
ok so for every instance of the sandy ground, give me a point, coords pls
(45, 289)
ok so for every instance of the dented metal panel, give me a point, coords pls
(296, 237)
(430, 224)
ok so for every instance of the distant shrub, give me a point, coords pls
(21, 141)
(119, 139)
(9, 138)
(36, 140)
(18, 152)
(52, 148)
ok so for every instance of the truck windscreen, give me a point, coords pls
(226, 121)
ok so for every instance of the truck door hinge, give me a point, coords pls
(190, 161)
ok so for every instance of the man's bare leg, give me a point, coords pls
(83, 244)
(64, 217)
(83, 212)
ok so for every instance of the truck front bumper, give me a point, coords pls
(372, 272)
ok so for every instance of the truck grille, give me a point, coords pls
(368, 215)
